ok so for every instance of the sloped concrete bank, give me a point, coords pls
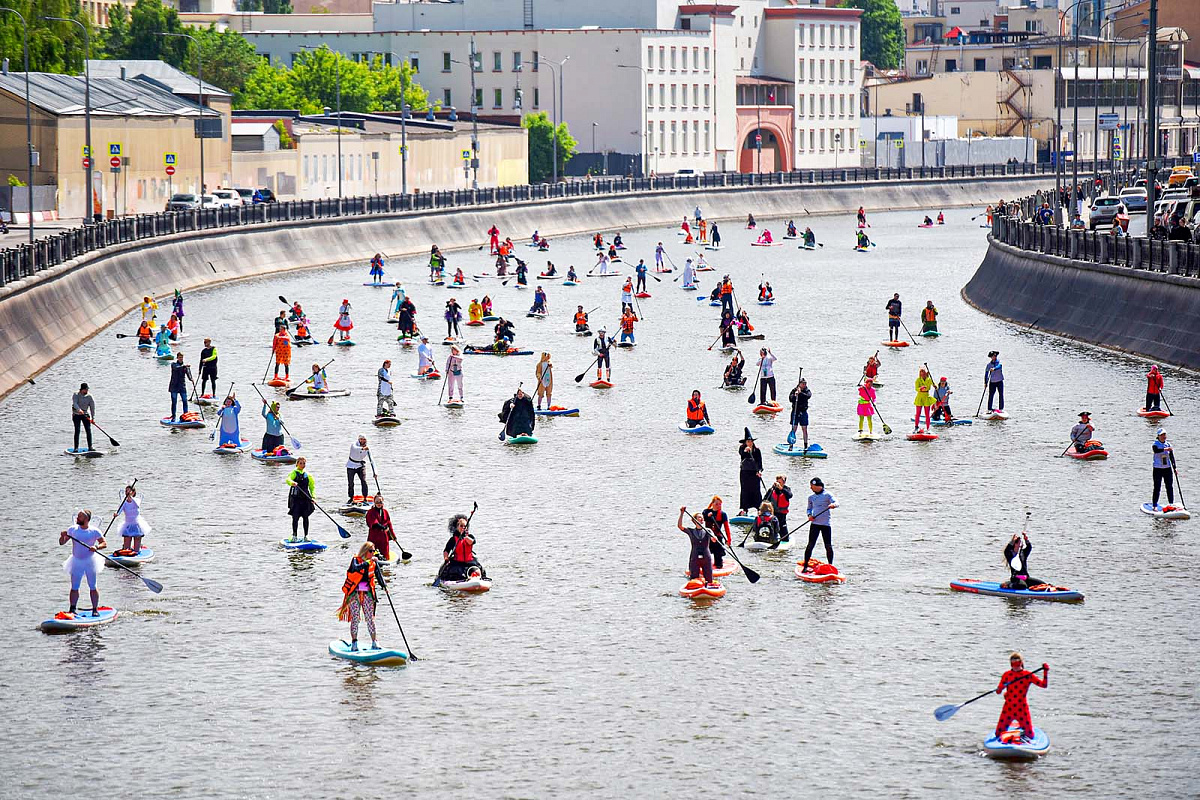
(45, 317)
(1151, 314)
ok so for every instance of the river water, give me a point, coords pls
(583, 673)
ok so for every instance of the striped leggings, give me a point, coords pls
(363, 601)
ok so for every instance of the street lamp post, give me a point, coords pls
(474, 123)
(28, 120)
(200, 84)
(645, 104)
(87, 114)
(1152, 113)
(556, 70)
(1058, 109)
(405, 110)
(337, 80)
(837, 145)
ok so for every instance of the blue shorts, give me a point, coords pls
(800, 419)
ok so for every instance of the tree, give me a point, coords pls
(53, 46)
(268, 87)
(882, 32)
(228, 58)
(133, 34)
(542, 134)
(312, 84)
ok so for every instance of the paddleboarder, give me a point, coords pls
(894, 307)
(208, 365)
(1014, 684)
(602, 347)
(300, 502)
(181, 373)
(929, 318)
(281, 346)
(766, 365)
(640, 270)
(810, 238)
(453, 315)
(458, 556)
(385, 402)
(1164, 463)
(941, 399)
(379, 528)
(177, 308)
(866, 405)
(862, 217)
(779, 495)
(733, 370)
(344, 324)
(406, 314)
(820, 504)
(273, 437)
(696, 412)
(700, 561)
(227, 422)
(356, 464)
(715, 519)
(1154, 387)
(993, 379)
(376, 272)
(924, 400)
(766, 525)
(627, 320)
(749, 474)
(358, 594)
(658, 258)
(544, 372)
(83, 411)
(715, 236)
(1081, 433)
(83, 562)
(799, 398)
(424, 356)
(134, 526)
(517, 414)
(1016, 558)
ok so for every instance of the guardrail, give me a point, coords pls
(27, 259)
(1135, 253)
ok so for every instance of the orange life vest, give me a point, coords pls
(928, 314)
(301, 330)
(627, 323)
(726, 288)
(464, 549)
(581, 318)
(695, 410)
(359, 571)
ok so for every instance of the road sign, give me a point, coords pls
(87, 163)
(1109, 122)
(114, 148)
(85, 151)
(466, 154)
(169, 159)
(115, 162)
(1196, 158)
(899, 144)
(170, 170)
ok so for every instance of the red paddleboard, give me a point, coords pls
(921, 437)
(600, 385)
(642, 295)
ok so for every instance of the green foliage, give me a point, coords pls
(53, 46)
(312, 84)
(285, 141)
(882, 32)
(228, 58)
(542, 134)
(13, 180)
(133, 34)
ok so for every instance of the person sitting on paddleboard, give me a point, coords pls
(539, 301)
(486, 305)
(617, 243)
(715, 520)
(551, 270)
(941, 400)
(144, 333)
(273, 438)
(474, 311)
(820, 504)
(458, 556)
(733, 370)
(765, 292)
(376, 268)
(894, 308)
(715, 294)
(700, 561)
(697, 412)
(928, 221)
(598, 241)
(162, 342)
(929, 317)
(358, 594)
(517, 414)
(1164, 462)
(799, 398)
(379, 528)
(863, 241)
(173, 328)
(941, 218)
(459, 278)
(543, 244)
(300, 494)
(728, 329)
(581, 320)
(424, 356)
(924, 400)
(744, 328)
(1014, 684)
(810, 238)
(135, 525)
(749, 474)
(1016, 558)
(871, 370)
(765, 237)
(227, 422)
(791, 229)
(1081, 433)
(750, 223)
(866, 405)
(83, 562)
(766, 525)
(612, 253)
(1154, 387)
(640, 270)
(993, 379)
(780, 498)
(601, 346)
(571, 276)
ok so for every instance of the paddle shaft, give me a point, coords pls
(345, 534)
(987, 381)
(580, 376)
(1178, 484)
(310, 377)
(295, 442)
(722, 333)
(411, 655)
(153, 586)
(1163, 397)
(988, 692)
(863, 377)
(111, 440)
(906, 330)
(750, 399)
(212, 435)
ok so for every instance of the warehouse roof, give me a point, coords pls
(64, 95)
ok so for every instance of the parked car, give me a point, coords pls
(267, 195)
(247, 196)
(183, 201)
(1177, 193)
(227, 198)
(1134, 198)
(1179, 175)
(1104, 211)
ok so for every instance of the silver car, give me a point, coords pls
(183, 201)
(1104, 211)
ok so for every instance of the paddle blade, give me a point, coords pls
(345, 534)
(113, 442)
(295, 443)
(405, 555)
(152, 585)
(944, 713)
(751, 575)
(283, 300)
(579, 377)
(887, 430)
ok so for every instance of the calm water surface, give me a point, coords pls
(582, 673)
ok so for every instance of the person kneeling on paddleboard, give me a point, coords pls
(358, 594)
(765, 292)
(733, 372)
(1081, 434)
(458, 556)
(697, 412)
(581, 320)
(810, 238)
(929, 318)
(1016, 706)
(1016, 557)
(517, 414)
(700, 561)
(941, 399)
(571, 276)
(863, 241)
(766, 525)
(820, 503)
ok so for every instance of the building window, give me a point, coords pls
(706, 58)
(801, 34)
(672, 99)
(497, 98)
(981, 65)
(801, 76)
(822, 105)
(696, 59)
(741, 63)
(842, 71)
(662, 136)
(852, 37)
(649, 95)
(707, 147)
(662, 59)
(754, 63)
(821, 139)
(922, 66)
(696, 137)
(812, 139)
(955, 10)
(306, 173)
(672, 59)
(822, 63)
(821, 33)
(445, 62)
(674, 139)
(478, 103)
(446, 102)
(685, 24)
(662, 96)
(537, 97)
(649, 58)
(477, 62)
(414, 61)
(706, 95)
(497, 62)
(324, 168)
(684, 127)
(841, 105)
(842, 35)
(683, 58)
(800, 108)
(695, 95)
(535, 60)
(516, 61)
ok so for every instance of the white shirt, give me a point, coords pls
(358, 456)
(424, 355)
(768, 365)
(88, 536)
(385, 382)
(131, 508)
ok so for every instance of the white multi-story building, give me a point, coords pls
(680, 86)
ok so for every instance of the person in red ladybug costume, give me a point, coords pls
(1016, 707)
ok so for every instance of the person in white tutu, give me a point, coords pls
(135, 525)
(84, 561)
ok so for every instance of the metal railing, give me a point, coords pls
(28, 259)
(1131, 252)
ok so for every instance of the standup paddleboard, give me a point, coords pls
(303, 545)
(818, 572)
(863, 436)
(761, 547)
(386, 422)
(65, 621)
(813, 451)
(378, 658)
(1166, 512)
(134, 560)
(921, 437)
(1058, 593)
(1152, 414)
(82, 452)
(523, 438)
(473, 585)
(941, 423)
(280, 455)
(698, 590)
(600, 385)
(1011, 747)
(318, 395)
(557, 411)
(699, 430)
(167, 422)
(894, 344)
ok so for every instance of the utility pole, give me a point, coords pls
(1151, 113)
(87, 115)
(474, 124)
(200, 86)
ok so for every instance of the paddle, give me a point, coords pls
(153, 586)
(722, 333)
(404, 554)
(750, 399)
(863, 377)
(638, 306)
(1178, 485)
(270, 360)
(943, 713)
(751, 575)
(1163, 397)
(295, 441)
(906, 330)
(196, 393)
(293, 389)
(791, 437)
(987, 379)
(379, 576)
(126, 335)
(652, 275)
(504, 430)
(445, 380)
(345, 534)
(887, 430)
(212, 435)
(580, 376)
(284, 300)
(111, 440)
(118, 511)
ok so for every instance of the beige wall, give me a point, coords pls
(972, 97)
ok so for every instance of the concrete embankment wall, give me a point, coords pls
(44, 317)
(1151, 314)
